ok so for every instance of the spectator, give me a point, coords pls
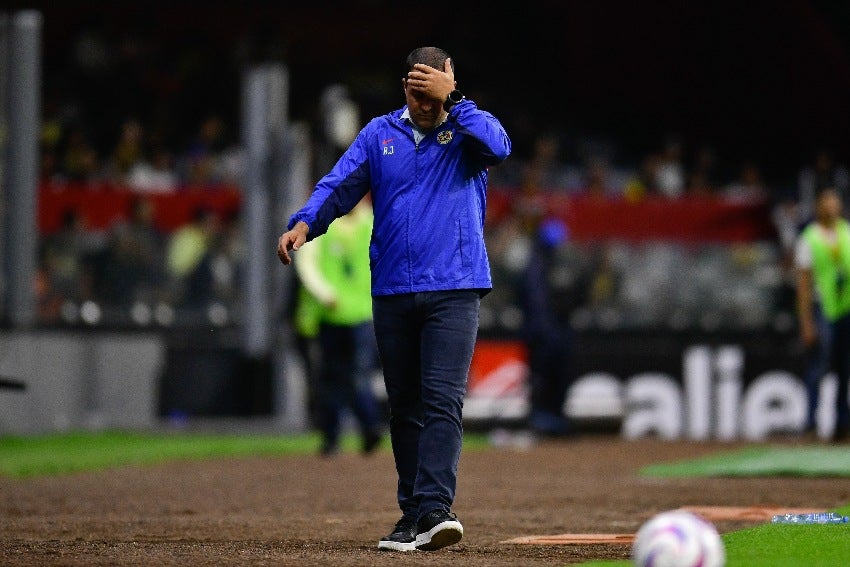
(703, 178)
(596, 179)
(670, 173)
(200, 164)
(784, 215)
(129, 269)
(226, 253)
(128, 152)
(115, 273)
(645, 181)
(821, 173)
(603, 280)
(749, 185)
(64, 256)
(189, 259)
(157, 176)
(544, 169)
(548, 293)
(146, 249)
(59, 277)
(80, 161)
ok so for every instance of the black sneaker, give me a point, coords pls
(403, 537)
(437, 529)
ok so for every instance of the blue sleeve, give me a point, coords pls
(493, 143)
(338, 191)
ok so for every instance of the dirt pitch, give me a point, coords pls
(313, 511)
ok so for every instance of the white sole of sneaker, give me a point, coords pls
(396, 546)
(442, 535)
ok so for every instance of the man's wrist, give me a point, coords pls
(302, 227)
(452, 99)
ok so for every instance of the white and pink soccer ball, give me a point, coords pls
(677, 538)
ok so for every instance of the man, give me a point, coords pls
(823, 264)
(548, 293)
(335, 306)
(426, 166)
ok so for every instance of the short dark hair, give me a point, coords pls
(826, 190)
(431, 56)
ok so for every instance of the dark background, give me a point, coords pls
(768, 81)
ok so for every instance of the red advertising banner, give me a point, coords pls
(691, 219)
(652, 218)
(101, 206)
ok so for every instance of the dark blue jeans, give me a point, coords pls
(840, 361)
(343, 380)
(425, 341)
(817, 361)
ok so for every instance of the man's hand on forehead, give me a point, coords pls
(432, 82)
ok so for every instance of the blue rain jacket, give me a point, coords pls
(429, 199)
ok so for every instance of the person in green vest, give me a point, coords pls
(335, 304)
(823, 263)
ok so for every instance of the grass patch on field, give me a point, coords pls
(25, 456)
(761, 461)
(769, 545)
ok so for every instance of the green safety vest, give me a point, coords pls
(831, 268)
(308, 314)
(343, 260)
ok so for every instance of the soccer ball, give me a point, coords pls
(677, 538)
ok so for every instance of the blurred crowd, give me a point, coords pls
(137, 160)
(133, 273)
(556, 163)
(144, 116)
(745, 284)
(132, 263)
(126, 104)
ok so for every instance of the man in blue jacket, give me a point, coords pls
(426, 166)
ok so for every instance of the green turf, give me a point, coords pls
(769, 545)
(789, 546)
(73, 452)
(56, 454)
(762, 461)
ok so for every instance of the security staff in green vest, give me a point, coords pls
(336, 300)
(823, 264)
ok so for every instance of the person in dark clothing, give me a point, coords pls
(549, 292)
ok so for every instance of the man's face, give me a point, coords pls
(829, 206)
(425, 112)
